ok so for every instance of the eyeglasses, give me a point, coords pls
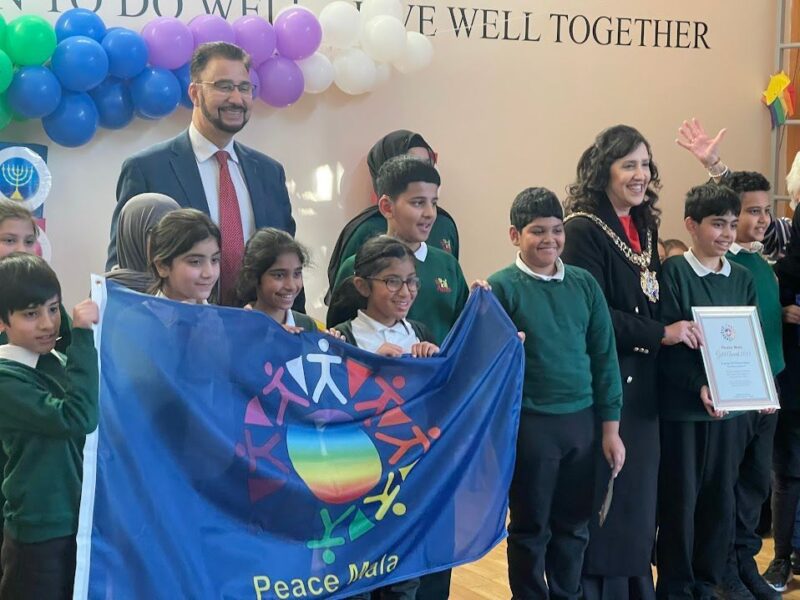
(226, 86)
(395, 284)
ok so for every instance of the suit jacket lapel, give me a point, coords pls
(252, 180)
(184, 165)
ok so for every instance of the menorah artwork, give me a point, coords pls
(17, 175)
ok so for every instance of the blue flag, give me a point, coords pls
(236, 460)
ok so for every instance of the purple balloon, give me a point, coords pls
(255, 81)
(211, 28)
(281, 81)
(299, 33)
(169, 42)
(256, 36)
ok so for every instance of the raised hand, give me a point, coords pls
(694, 138)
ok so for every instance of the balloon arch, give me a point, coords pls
(80, 75)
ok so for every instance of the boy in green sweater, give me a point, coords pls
(408, 190)
(48, 403)
(700, 446)
(753, 480)
(571, 382)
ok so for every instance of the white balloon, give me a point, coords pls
(418, 55)
(341, 24)
(375, 8)
(355, 71)
(384, 38)
(317, 73)
(383, 72)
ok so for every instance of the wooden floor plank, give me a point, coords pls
(487, 579)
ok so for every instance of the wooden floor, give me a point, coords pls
(488, 577)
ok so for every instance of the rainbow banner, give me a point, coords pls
(779, 98)
(235, 460)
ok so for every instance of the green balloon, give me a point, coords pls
(2, 33)
(30, 40)
(6, 71)
(5, 113)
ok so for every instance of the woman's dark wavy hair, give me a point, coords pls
(588, 190)
(260, 253)
(374, 256)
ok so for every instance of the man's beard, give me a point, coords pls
(218, 123)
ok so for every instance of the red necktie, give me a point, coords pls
(230, 226)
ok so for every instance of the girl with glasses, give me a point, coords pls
(380, 295)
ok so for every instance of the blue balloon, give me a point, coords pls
(184, 78)
(80, 21)
(156, 93)
(34, 92)
(74, 122)
(80, 63)
(114, 103)
(127, 53)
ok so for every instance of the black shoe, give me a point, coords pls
(754, 582)
(732, 588)
(795, 562)
(779, 574)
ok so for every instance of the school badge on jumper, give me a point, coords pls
(441, 285)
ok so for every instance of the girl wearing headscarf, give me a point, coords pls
(369, 222)
(136, 220)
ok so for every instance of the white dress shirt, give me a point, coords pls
(204, 152)
(755, 248)
(701, 270)
(371, 335)
(558, 276)
(21, 355)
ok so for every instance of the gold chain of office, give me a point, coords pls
(649, 280)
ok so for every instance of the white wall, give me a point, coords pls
(502, 114)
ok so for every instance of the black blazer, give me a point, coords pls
(637, 329)
(170, 168)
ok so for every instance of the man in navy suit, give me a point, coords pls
(240, 188)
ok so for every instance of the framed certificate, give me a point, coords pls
(735, 358)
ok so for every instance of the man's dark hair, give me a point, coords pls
(206, 52)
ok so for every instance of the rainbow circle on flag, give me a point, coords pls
(337, 460)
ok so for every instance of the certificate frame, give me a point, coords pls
(735, 358)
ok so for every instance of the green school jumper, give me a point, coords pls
(442, 293)
(769, 304)
(442, 236)
(45, 414)
(570, 354)
(681, 368)
(64, 339)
